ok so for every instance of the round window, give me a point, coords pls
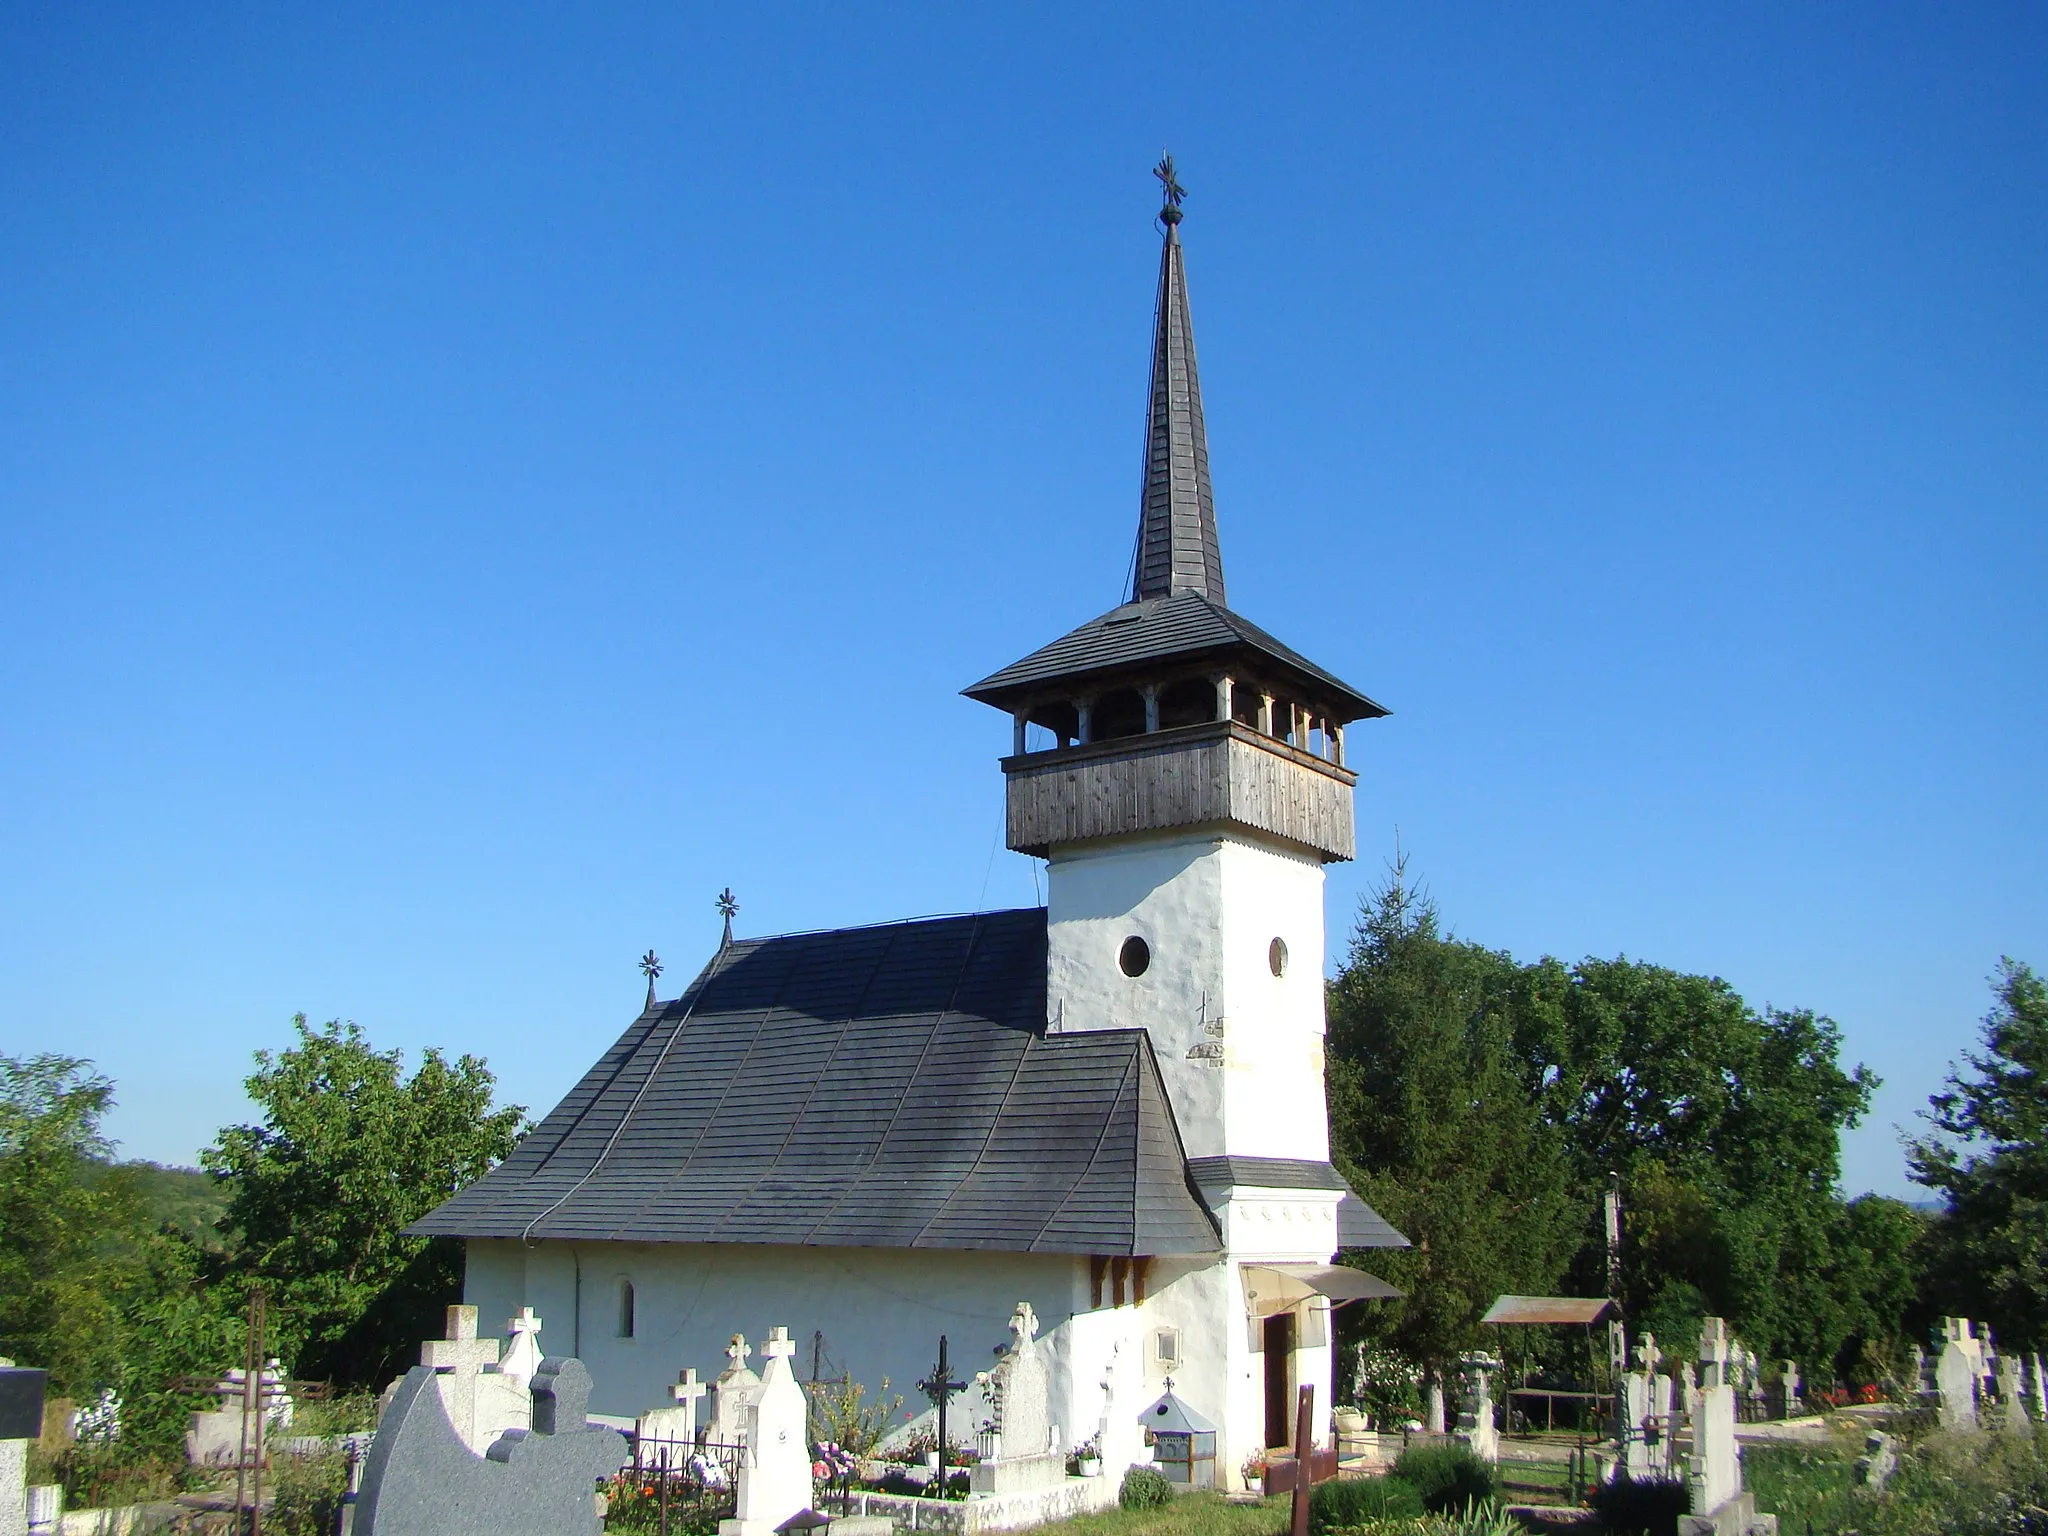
(1276, 956)
(1135, 957)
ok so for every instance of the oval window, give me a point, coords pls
(1135, 957)
(1276, 956)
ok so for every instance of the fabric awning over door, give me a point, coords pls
(1270, 1288)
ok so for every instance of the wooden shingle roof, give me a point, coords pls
(1183, 628)
(888, 1087)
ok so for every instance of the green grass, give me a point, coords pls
(1946, 1485)
(1533, 1482)
(1192, 1514)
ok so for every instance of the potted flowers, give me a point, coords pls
(1088, 1458)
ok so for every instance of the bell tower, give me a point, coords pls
(1183, 774)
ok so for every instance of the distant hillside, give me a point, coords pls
(187, 1199)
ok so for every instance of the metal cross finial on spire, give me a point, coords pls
(1170, 188)
(1177, 549)
(728, 908)
(650, 967)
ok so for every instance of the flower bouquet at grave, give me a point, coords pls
(835, 1467)
(1088, 1450)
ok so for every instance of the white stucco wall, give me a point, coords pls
(881, 1310)
(1209, 905)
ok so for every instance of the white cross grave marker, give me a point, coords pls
(522, 1359)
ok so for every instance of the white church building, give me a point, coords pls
(1111, 1107)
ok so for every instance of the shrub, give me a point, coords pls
(1651, 1505)
(309, 1494)
(1448, 1477)
(1353, 1501)
(1144, 1489)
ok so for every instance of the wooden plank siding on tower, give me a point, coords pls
(1218, 772)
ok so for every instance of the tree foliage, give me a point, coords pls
(1486, 1105)
(1987, 1152)
(1432, 1115)
(349, 1153)
(59, 1223)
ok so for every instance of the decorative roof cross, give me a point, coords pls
(650, 967)
(728, 908)
(1170, 189)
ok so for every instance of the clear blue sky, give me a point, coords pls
(475, 481)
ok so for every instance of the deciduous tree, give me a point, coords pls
(1987, 1152)
(350, 1152)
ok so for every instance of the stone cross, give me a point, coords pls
(775, 1473)
(733, 1394)
(457, 1361)
(1788, 1387)
(1713, 1352)
(668, 1435)
(1027, 1390)
(521, 1362)
(2039, 1391)
(1714, 1469)
(1648, 1355)
(686, 1391)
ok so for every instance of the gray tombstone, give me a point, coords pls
(1956, 1375)
(421, 1480)
(1477, 1428)
(2010, 1412)
(1789, 1406)
(1026, 1435)
(1878, 1461)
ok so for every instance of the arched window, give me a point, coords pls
(625, 1309)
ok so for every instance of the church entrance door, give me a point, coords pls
(1279, 1349)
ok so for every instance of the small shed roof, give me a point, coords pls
(1171, 1416)
(1548, 1309)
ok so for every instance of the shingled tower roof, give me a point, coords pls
(1177, 545)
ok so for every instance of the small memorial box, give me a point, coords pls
(1183, 1442)
(21, 1403)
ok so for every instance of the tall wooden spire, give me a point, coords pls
(1177, 546)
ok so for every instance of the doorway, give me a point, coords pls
(1278, 1342)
